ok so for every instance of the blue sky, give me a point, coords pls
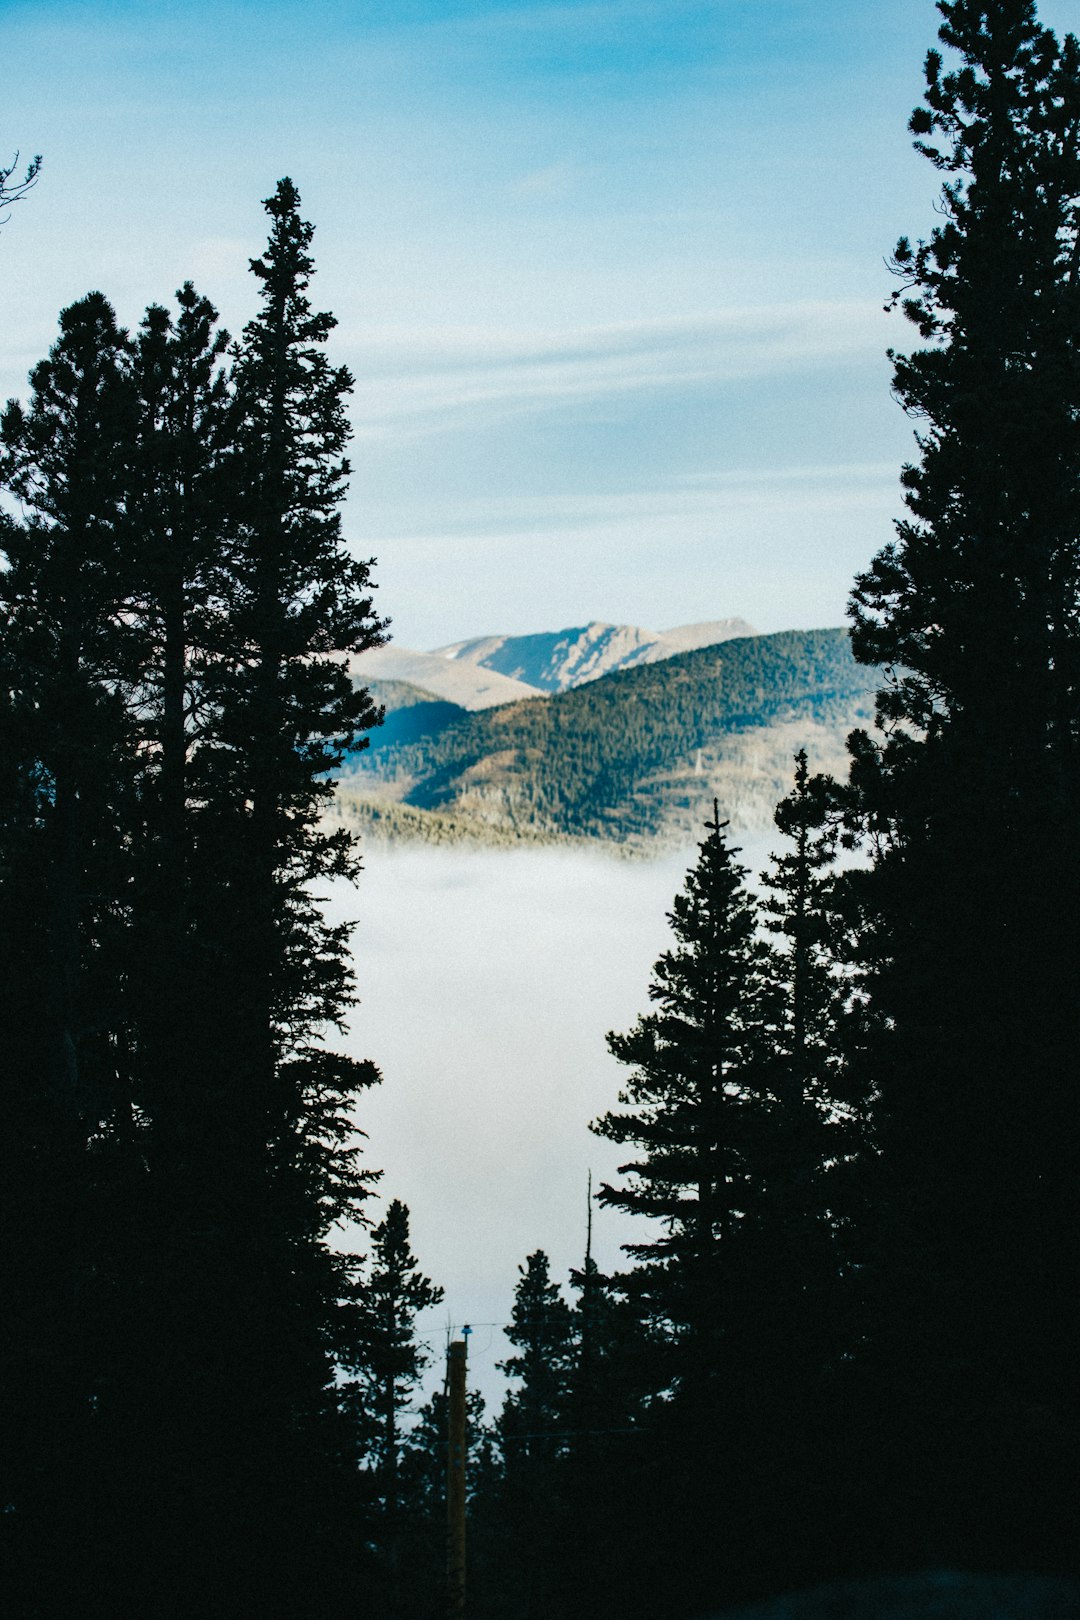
(609, 275)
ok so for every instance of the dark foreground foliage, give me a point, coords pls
(178, 1138)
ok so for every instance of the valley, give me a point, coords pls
(632, 759)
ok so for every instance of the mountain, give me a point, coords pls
(469, 685)
(633, 758)
(479, 674)
(556, 660)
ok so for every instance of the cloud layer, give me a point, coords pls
(488, 984)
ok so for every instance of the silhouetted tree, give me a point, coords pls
(704, 1066)
(393, 1292)
(180, 610)
(540, 1331)
(970, 947)
(283, 1164)
(699, 1064)
(814, 1128)
(520, 1506)
(67, 784)
(385, 1360)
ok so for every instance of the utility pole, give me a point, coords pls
(455, 1480)
(588, 1222)
(588, 1289)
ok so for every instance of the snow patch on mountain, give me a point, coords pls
(554, 661)
(471, 686)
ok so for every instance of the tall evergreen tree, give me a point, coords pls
(523, 1523)
(385, 1360)
(968, 795)
(815, 1127)
(66, 786)
(699, 1068)
(603, 1472)
(282, 1165)
(541, 1332)
(177, 506)
(696, 1105)
(172, 1388)
(393, 1293)
(180, 609)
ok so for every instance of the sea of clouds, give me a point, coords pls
(488, 981)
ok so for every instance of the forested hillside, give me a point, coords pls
(636, 756)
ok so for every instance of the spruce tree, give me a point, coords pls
(66, 784)
(176, 1406)
(525, 1519)
(814, 1129)
(704, 1072)
(540, 1331)
(603, 1474)
(180, 608)
(267, 1432)
(385, 1360)
(804, 1238)
(393, 1292)
(967, 796)
(699, 1066)
(177, 506)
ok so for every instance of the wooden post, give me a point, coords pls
(455, 1484)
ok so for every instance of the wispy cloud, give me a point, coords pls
(688, 505)
(778, 547)
(424, 379)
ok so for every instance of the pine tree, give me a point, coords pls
(971, 955)
(798, 911)
(540, 1331)
(175, 1403)
(392, 1294)
(603, 1471)
(175, 501)
(524, 1515)
(66, 589)
(699, 1069)
(266, 1433)
(180, 608)
(66, 785)
(385, 1360)
(815, 1124)
(697, 1104)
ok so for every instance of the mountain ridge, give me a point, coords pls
(634, 757)
(488, 670)
(557, 660)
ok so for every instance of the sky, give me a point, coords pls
(609, 275)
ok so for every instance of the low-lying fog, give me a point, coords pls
(488, 981)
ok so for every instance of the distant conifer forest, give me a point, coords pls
(842, 1346)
